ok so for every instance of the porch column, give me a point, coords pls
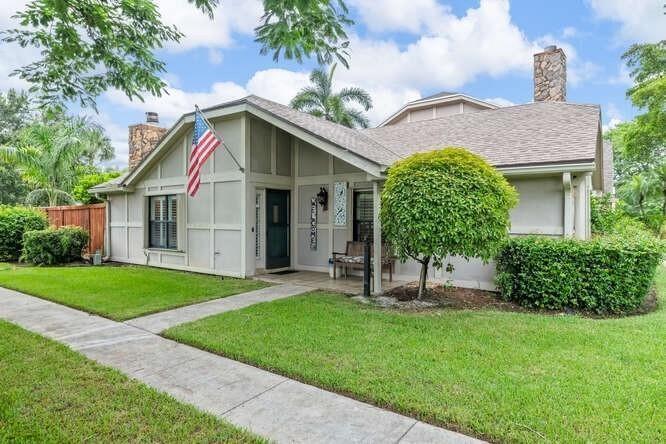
(568, 205)
(377, 240)
(582, 212)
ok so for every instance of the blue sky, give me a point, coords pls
(401, 50)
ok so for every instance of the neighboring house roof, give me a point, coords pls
(532, 134)
(435, 96)
(441, 98)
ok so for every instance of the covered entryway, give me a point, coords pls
(277, 229)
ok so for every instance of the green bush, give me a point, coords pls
(444, 203)
(611, 274)
(612, 219)
(14, 221)
(54, 245)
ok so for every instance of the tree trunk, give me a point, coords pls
(424, 276)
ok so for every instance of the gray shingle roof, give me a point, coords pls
(533, 133)
(340, 135)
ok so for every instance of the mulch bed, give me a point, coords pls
(443, 296)
(457, 298)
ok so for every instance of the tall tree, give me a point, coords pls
(640, 145)
(89, 46)
(320, 100)
(15, 113)
(50, 156)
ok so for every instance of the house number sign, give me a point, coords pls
(313, 224)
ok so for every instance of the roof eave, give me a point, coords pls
(445, 99)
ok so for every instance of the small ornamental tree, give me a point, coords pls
(445, 202)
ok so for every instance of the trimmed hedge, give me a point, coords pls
(54, 245)
(14, 221)
(610, 274)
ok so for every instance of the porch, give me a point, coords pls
(319, 280)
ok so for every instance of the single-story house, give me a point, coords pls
(273, 215)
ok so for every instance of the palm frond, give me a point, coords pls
(356, 95)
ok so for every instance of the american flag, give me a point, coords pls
(204, 143)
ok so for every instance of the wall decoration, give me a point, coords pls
(340, 203)
(313, 224)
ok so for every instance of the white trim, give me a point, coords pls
(178, 267)
(377, 239)
(546, 169)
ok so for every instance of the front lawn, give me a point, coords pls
(120, 292)
(498, 375)
(48, 393)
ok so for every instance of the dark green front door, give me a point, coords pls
(277, 228)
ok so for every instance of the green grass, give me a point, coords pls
(503, 376)
(120, 292)
(48, 393)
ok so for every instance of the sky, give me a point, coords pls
(400, 50)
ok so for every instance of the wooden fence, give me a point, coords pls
(91, 218)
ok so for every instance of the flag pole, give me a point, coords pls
(212, 128)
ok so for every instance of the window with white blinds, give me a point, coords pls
(163, 229)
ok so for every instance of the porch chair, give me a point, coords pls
(353, 258)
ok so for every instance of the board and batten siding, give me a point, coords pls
(211, 226)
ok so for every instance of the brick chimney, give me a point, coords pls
(143, 138)
(550, 75)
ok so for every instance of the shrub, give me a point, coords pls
(611, 274)
(612, 219)
(54, 245)
(445, 202)
(14, 221)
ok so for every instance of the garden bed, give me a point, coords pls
(439, 296)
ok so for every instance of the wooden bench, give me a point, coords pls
(353, 258)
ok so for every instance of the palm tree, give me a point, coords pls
(320, 100)
(50, 156)
(636, 192)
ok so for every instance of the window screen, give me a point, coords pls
(363, 215)
(163, 230)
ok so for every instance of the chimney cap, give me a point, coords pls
(152, 117)
(550, 48)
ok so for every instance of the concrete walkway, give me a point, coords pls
(158, 322)
(270, 405)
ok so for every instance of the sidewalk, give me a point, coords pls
(267, 404)
(158, 322)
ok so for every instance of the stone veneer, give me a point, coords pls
(550, 75)
(143, 138)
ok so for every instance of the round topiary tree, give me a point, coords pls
(445, 202)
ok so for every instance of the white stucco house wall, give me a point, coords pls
(258, 219)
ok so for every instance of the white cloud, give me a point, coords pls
(215, 56)
(569, 32)
(614, 117)
(640, 20)
(500, 101)
(231, 16)
(622, 77)
(279, 85)
(399, 15)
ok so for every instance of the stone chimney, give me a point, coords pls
(550, 75)
(143, 138)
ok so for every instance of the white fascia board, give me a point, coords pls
(342, 153)
(547, 169)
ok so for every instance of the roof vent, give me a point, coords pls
(152, 117)
(550, 48)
